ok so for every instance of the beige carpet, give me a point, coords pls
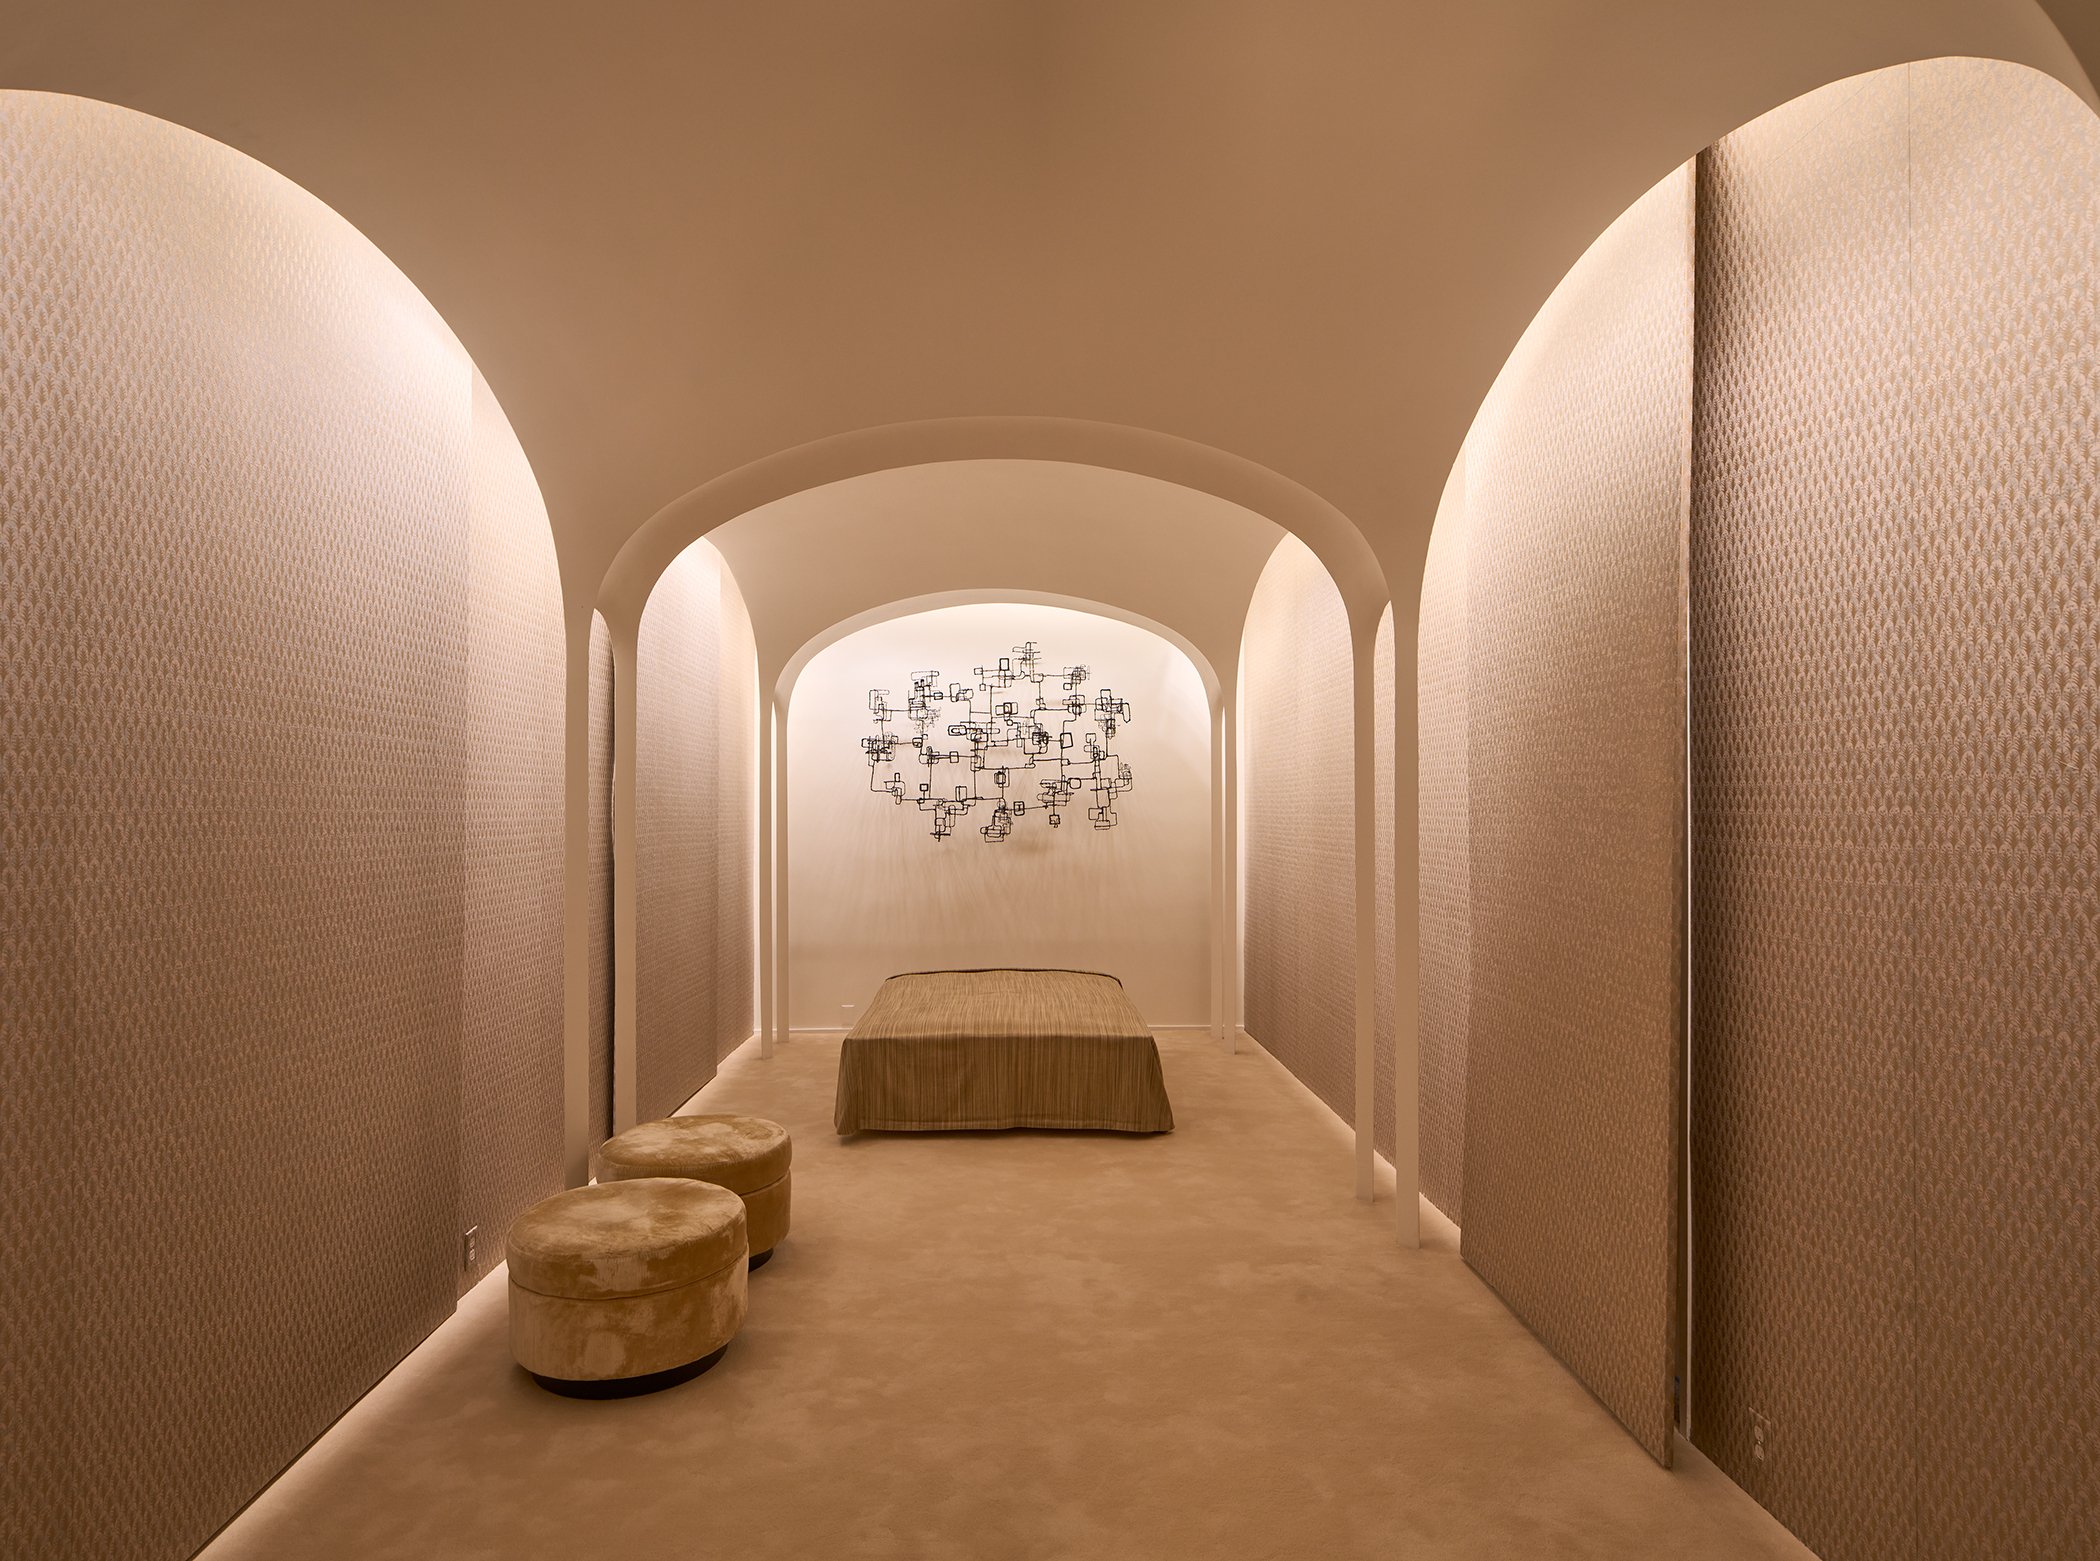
(1032, 1345)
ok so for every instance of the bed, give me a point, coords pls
(949, 1050)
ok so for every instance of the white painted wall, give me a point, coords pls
(872, 893)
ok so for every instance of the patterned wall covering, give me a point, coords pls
(1445, 904)
(511, 997)
(1575, 493)
(683, 770)
(1895, 800)
(237, 465)
(601, 895)
(1383, 1002)
(1297, 789)
(41, 580)
(736, 827)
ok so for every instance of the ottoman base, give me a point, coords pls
(627, 1338)
(759, 1260)
(628, 1387)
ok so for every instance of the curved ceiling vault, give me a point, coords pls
(678, 242)
(1179, 559)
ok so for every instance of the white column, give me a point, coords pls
(576, 908)
(766, 1016)
(1365, 816)
(1220, 912)
(624, 901)
(1407, 918)
(1235, 995)
(784, 1018)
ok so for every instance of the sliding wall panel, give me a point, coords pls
(677, 697)
(237, 456)
(1444, 892)
(600, 890)
(1895, 564)
(511, 984)
(1297, 784)
(2005, 273)
(1384, 1007)
(1894, 1120)
(736, 826)
(1802, 642)
(1575, 493)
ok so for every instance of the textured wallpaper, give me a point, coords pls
(1445, 904)
(511, 996)
(1575, 494)
(1897, 816)
(600, 891)
(237, 465)
(1297, 791)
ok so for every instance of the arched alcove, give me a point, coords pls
(873, 893)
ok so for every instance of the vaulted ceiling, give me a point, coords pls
(680, 238)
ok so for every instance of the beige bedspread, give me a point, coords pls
(953, 1049)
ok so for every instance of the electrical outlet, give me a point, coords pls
(1760, 1437)
(470, 1246)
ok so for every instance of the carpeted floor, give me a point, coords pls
(1029, 1346)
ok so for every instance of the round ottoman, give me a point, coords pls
(626, 1288)
(747, 1155)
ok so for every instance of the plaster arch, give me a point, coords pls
(1339, 545)
(910, 606)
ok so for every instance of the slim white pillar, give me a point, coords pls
(1364, 639)
(1235, 996)
(624, 899)
(1220, 913)
(783, 1012)
(576, 918)
(766, 1016)
(1407, 918)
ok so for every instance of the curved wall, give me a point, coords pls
(872, 893)
(271, 564)
(1297, 778)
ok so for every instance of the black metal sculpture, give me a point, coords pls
(1004, 736)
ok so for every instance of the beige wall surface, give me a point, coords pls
(1574, 496)
(239, 595)
(871, 893)
(1297, 782)
(1896, 816)
(695, 762)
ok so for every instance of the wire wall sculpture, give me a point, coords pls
(1008, 734)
